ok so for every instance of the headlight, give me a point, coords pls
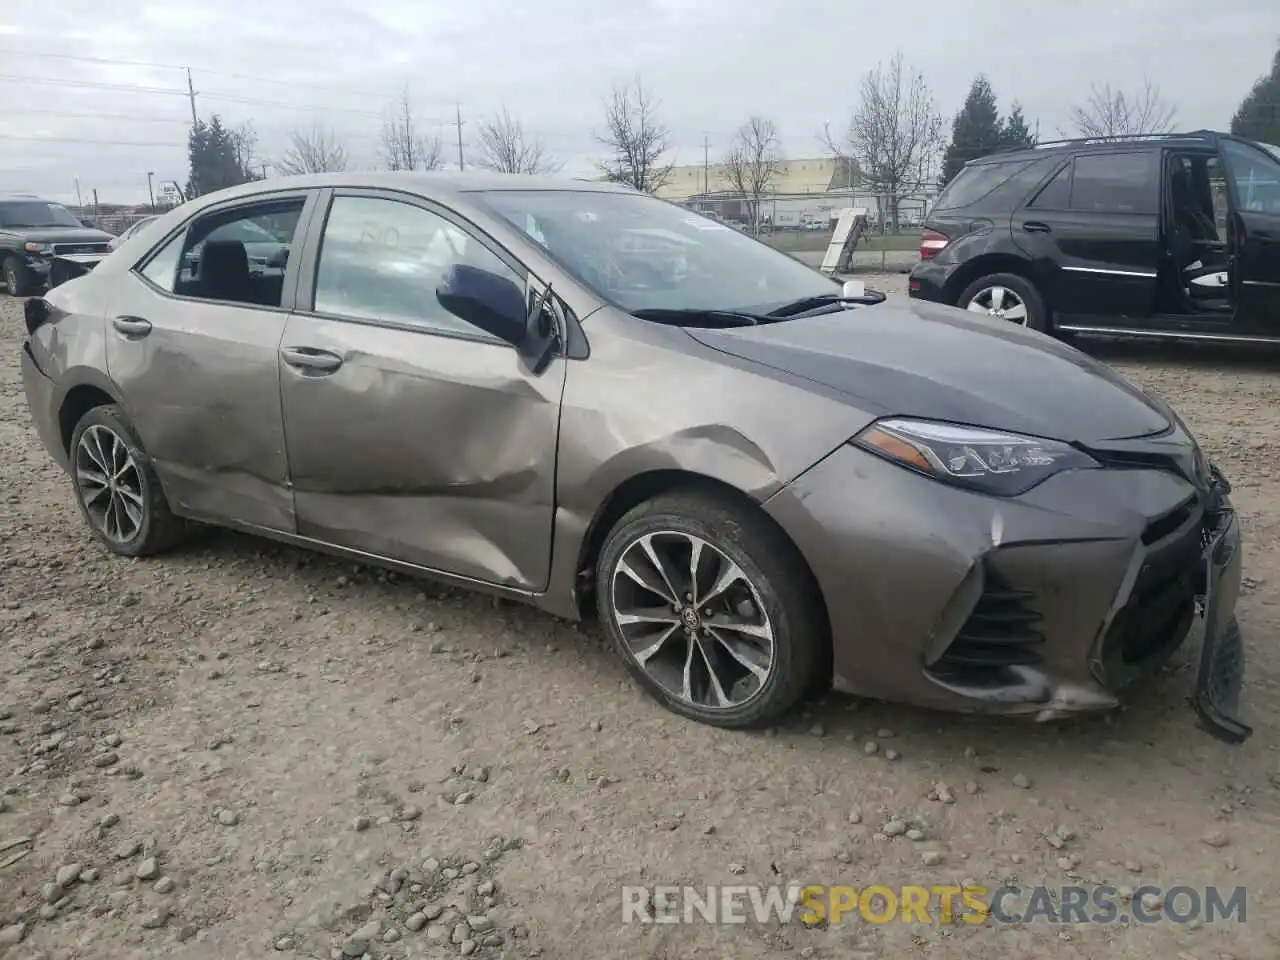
(32, 247)
(989, 461)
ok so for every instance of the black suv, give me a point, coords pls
(1173, 235)
(32, 233)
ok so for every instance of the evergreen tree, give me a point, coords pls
(1259, 115)
(217, 158)
(1014, 131)
(976, 130)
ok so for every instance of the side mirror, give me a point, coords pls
(491, 302)
(498, 306)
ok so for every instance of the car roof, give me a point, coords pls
(1196, 138)
(436, 183)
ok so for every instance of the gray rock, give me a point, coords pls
(1133, 866)
(112, 740)
(931, 858)
(870, 747)
(464, 798)
(480, 775)
(1215, 838)
(68, 875)
(430, 866)
(437, 933)
(362, 823)
(467, 947)
(358, 943)
(89, 875)
(410, 813)
(164, 885)
(391, 936)
(109, 820)
(47, 911)
(480, 923)
(894, 828)
(943, 793)
(228, 818)
(105, 760)
(51, 893)
(884, 733)
(157, 919)
(855, 815)
(915, 835)
(485, 888)
(432, 911)
(892, 754)
(284, 943)
(1022, 781)
(460, 933)
(469, 868)
(492, 940)
(148, 869)
(13, 935)
(416, 922)
(818, 730)
(971, 787)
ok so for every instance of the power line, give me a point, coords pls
(254, 101)
(78, 140)
(131, 117)
(122, 87)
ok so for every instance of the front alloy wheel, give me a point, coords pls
(692, 620)
(712, 609)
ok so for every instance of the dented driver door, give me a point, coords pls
(411, 434)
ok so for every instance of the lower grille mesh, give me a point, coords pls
(1002, 631)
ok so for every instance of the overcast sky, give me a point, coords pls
(711, 63)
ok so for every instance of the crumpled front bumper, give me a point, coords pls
(1221, 672)
(1043, 605)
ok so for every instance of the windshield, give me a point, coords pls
(1271, 149)
(642, 253)
(35, 213)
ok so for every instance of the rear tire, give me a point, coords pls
(749, 631)
(119, 494)
(1009, 292)
(16, 278)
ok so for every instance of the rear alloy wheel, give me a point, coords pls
(118, 491)
(1008, 297)
(709, 608)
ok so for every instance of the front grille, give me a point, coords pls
(1162, 604)
(1001, 632)
(61, 249)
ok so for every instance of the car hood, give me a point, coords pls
(924, 360)
(59, 234)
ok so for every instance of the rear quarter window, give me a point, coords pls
(974, 183)
(1116, 183)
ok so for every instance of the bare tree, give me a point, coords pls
(753, 163)
(403, 147)
(244, 151)
(636, 138)
(506, 148)
(1112, 113)
(895, 133)
(312, 151)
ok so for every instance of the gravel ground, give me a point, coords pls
(241, 748)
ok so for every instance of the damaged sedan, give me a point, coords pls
(762, 481)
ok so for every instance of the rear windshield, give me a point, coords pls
(974, 183)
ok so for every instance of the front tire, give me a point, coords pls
(16, 278)
(1009, 297)
(712, 609)
(119, 494)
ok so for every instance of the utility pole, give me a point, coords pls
(79, 202)
(151, 190)
(706, 165)
(191, 95)
(458, 124)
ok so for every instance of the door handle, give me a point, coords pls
(134, 328)
(310, 359)
(1035, 226)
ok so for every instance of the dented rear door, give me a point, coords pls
(410, 434)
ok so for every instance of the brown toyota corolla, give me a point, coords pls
(573, 394)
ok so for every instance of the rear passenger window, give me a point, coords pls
(1115, 183)
(974, 183)
(1056, 194)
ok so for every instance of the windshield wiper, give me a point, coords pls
(823, 301)
(700, 317)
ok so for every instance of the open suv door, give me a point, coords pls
(1253, 178)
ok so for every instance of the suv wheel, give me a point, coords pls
(15, 278)
(1007, 296)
